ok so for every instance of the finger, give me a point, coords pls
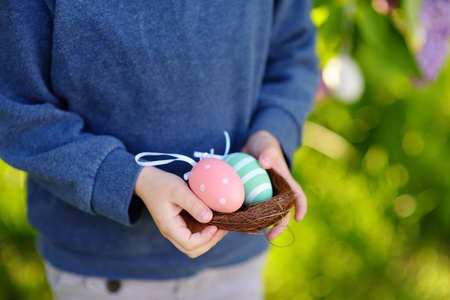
(300, 201)
(192, 224)
(187, 240)
(270, 155)
(177, 231)
(193, 252)
(279, 227)
(206, 247)
(300, 204)
(265, 147)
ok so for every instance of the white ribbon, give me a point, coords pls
(180, 157)
(203, 155)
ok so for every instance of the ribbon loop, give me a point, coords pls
(203, 155)
(180, 157)
(177, 157)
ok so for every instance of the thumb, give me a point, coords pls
(264, 147)
(195, 207)
(268, 156)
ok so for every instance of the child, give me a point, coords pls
(86, 85)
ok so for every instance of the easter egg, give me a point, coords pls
(256, 181)
(217, 184)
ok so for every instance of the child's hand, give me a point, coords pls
(266, 148)
(166, 196)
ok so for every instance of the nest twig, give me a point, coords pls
(256, 217)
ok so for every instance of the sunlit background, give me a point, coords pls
(375, 165)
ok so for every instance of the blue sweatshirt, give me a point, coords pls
(86, 84)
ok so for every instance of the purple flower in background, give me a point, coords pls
(435, 16)
(435, 19)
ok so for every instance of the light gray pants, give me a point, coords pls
(241, 281)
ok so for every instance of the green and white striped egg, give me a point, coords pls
(256, 181)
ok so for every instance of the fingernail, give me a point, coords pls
(300, 217)
(205, 216)
(213, 230)
(274, 235)
(266, 161)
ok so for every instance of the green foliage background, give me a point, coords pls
(376, 174)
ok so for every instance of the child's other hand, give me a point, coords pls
(166, 197)
(266, 148)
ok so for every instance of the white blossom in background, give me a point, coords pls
(343, 78)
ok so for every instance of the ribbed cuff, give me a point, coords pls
(112, 195)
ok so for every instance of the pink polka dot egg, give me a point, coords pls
(217, 184)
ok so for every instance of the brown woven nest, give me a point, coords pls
(256, 217)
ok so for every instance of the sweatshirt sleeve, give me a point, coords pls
(40, 136)
(291, 76)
